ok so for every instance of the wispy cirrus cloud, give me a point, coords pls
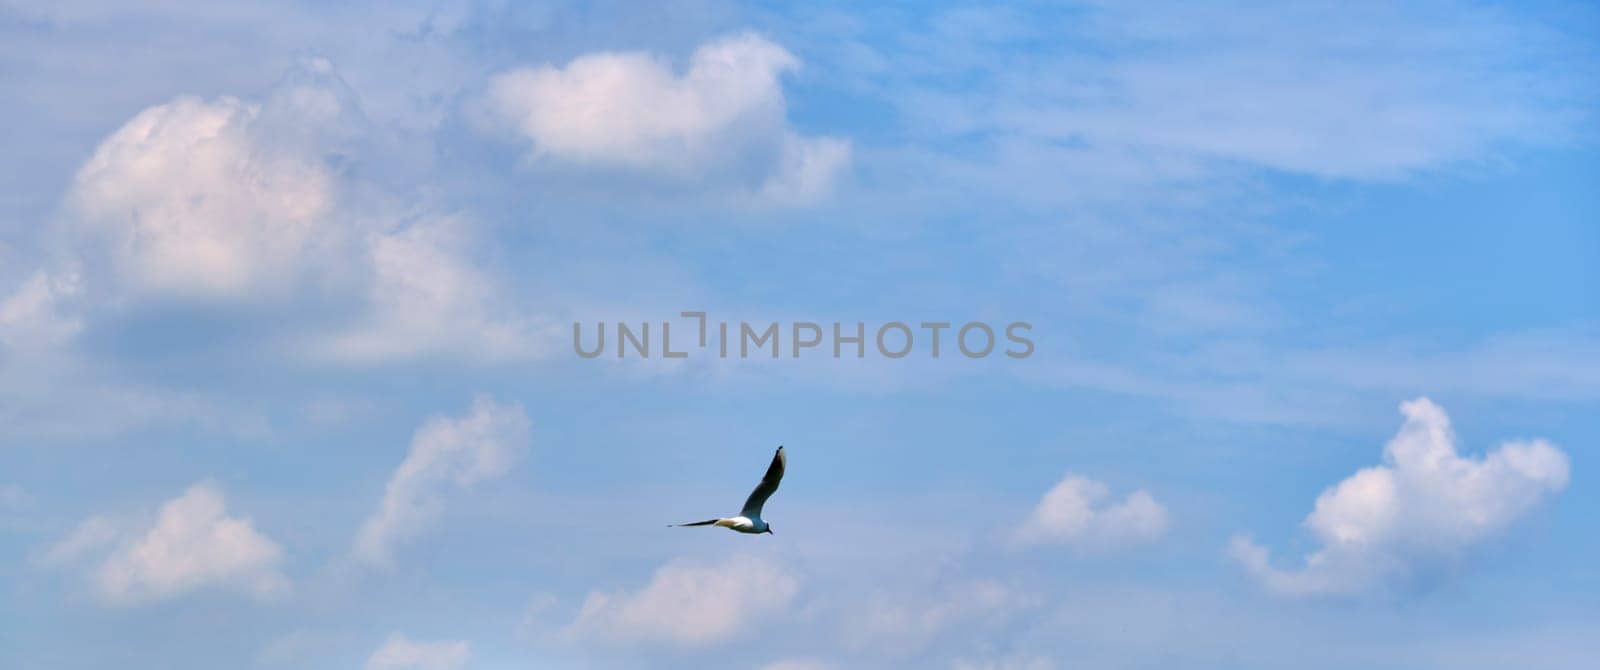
(1310, 88)
(447, 454)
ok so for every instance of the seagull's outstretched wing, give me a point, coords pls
(764, 490)
(707, 522)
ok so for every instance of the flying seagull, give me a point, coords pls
(749, 519)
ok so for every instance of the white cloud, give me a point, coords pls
(189, 199)
(690, 604)
(402, 653)
(1422, 508)
(722, 118)
(37, 315)
(273, 204)
(447, 453)
(192, 545)
(1079, 512)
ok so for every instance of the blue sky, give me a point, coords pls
(287, 291)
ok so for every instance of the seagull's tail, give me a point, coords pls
(697, 523)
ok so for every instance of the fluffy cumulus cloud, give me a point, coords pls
(189, 198)
(1418, 511)
(1079, 512)
(402, 653)
(285, 204)
(193, 544)
(723, 118)
(447, 454)
(690, 604)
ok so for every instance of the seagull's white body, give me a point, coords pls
(742, 524)
(749, 519)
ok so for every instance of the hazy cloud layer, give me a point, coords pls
(904, 622)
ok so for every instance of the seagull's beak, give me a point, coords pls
(769, 532)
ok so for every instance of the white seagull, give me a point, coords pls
(749, 519)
